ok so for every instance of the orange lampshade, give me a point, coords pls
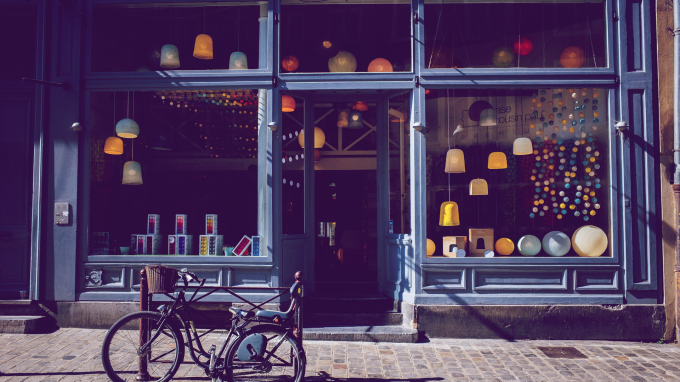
(203, 48)
(360, 105)
(572, 57)
(113, 146)
(498, 161)
(380, 65)
(290, 63)
(319, 138)
(288, 104)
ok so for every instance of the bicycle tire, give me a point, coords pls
(119, 350)
(290, 366)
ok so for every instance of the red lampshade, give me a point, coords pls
(523, 46)
(360, 105)
(290, 63)
(287, 104)
(317, 155)
(380, 65)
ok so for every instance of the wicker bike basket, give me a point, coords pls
(161, 279)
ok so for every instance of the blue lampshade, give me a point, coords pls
(238, 60)
(127, 128)
(162, 142)
(356, 121)
(169, 57)
(132, 173)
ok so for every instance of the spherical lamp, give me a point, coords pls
(529, 245)
(238, 61)
(455, 161)
(360, 105)
(589, 241)
(504, 246)
(287, 104)
(290, 63)
(475, 111)
(327, 48)
(342, 62)
(430, 247)
(132, 173)
(127, 128)
(169, 57)
(479, 187)
(319, 138)
(487, 117)
(556, 243)
(498, 161)
(113, 146)
(343, 118)
(448, 214)
(317, 155)
(522, 146)
(203, 48)
(380, 65)
(572, 57)
(523, 46)
(503, 57)
(355, 120)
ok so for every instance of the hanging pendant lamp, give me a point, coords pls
(238, 61)
(448, 214)
(356, 121)
(113, 145)
(487, 117)
(342, 62)
(287, 104)
(126, 127)
(317, 155)
(479, 187)
(380, 65)
(455, 161)
(343, 118)
(169, 57)
(132, 173)
(203, 48)
(522, 146)
(360, 105)
(319, 138)
(498, 161)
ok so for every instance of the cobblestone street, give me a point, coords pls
(74, 355)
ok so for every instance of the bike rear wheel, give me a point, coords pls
(119, 351)
(283, 363)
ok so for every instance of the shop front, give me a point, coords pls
(491, 168)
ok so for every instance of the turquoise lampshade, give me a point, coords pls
(238, 60)
(132, 173)
(355, 120)
(169, 57)
(127, 128)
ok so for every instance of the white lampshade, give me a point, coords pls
(455, 161)
(589, 241)
(169, 57)
(343, 118)
(556, 243)
(479, 187)
(342, 62)
(238, 60)
(522, 146)
(132, 173)
(487, 117)
(127, 128)
(529, 245)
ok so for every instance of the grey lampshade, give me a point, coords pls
(132, 173)
(356, 121)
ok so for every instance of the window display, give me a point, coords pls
(183, 158)
(519, 172)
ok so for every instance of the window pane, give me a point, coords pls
(399, 148)
(506, 35)
(173, 37)
(542, 155)
(339, 37)
(18, 25)
(293, 192)
(192, 158)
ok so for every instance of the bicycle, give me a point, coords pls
(149, 346)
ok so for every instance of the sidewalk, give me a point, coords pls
(74, 355)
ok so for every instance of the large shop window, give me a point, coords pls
(174, 173)
(517, 173)
(18, 28)
(513, 34)
(137, 37)
(364, 36)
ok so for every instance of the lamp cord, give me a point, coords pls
(590, 36)
(114, 113)
(448, 133)
(128, 104)
(429, 65)
(203, 20)
(238, 30)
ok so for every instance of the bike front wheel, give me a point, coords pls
(120, 356)
(283, 360)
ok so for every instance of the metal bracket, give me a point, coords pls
(64, 85)
(415, 17)
(276, 18)
(617, 80)
(417, 81)
(615, 16)
(275, 81)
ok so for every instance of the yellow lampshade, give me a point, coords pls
(113, 146)
(319, 138)
(380, 65)
(505, 246)
(498, 161)
(589, 241)
(479, 187)
(343, 118)
(288, 104)
(203, 48)
(430, 247)
(522, 146)
(448, 215)
(455, 161)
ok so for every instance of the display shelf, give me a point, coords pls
(168, 259)
(535, 261)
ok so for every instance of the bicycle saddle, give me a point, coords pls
(241, 313)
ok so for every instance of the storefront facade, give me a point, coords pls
(537, 120)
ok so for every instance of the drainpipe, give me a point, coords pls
(676, 153)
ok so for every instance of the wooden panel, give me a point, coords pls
(634, 35)
(506, 280)
(449, 279)
(243, 277)
(15, 260)
(294, 253)
(15, 168)
(596, 280)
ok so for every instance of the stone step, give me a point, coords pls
(350, 304)
(20, 308)
(23, 324)
(318, 319)
(362, 334)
